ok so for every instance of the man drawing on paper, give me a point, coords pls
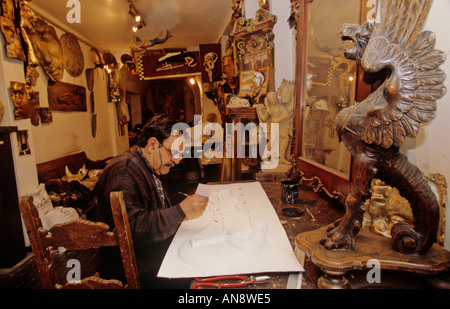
(153, 220)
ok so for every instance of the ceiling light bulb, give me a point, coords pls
(137, 18)
(192, 81)
(137, 27)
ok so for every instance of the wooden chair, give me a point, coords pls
(81, 234)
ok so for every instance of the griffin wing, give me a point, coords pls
(416, 81)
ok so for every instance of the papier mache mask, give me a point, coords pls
(13, 44)
(43, 44)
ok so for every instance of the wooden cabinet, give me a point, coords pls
(242, 116)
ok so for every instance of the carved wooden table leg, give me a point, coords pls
(368, 247)
(333, 280)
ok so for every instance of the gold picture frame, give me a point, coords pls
(250, 84)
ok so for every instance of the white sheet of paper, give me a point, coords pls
(241, 235)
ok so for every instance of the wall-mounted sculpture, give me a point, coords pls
(73, 56)
(211, 66)
(44, 46)
(46, 115)
(66, 97)
(168, 65)
(90, 85)
(22, 107)
(374, 129)
(11, 32)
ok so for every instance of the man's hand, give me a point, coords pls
(194, 206)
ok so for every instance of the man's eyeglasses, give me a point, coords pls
(176, 154)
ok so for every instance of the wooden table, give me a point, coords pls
(316, 213)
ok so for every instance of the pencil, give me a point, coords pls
(182, 193)
(187, 195)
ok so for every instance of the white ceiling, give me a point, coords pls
(106, 24)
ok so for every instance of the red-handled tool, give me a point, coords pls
(243, 281)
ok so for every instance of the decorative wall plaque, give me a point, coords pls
(66, 97)
(211, 64)
(172, 64)
(73, 56)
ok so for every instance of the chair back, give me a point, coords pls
(81, 234)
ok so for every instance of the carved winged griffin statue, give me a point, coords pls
(374, 129)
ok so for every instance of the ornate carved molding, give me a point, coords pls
(316, 184)
(296, 12)
(253, 41)
(263, 20)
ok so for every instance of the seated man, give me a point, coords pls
(153, 220)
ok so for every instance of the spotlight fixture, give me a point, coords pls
(138, 26)
(192, 81)
(107, 68)
(136, 16)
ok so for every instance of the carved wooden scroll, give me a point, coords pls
(79, 234)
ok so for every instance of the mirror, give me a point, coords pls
(330, 84)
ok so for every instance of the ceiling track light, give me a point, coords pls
(138, 26)
(136, 16)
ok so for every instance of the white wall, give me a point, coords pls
(69, 132)
(25, 167)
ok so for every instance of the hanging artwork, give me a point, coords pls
(33, 99)
(253, 82)
(45, 114)
(11, 33)
(115, 93)
(123, 116)
(211, 64)
(22, 108)
(44, 46)
(22, 141)
(66, 97)
(73, 56)
(26, 103)
(90, 84)
(169, 96)
(172, 64)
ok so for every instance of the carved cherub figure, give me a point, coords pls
(374, 129)
(274, 111)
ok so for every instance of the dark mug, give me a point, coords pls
(289, 192)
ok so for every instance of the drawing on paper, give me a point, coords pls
(227, 234)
